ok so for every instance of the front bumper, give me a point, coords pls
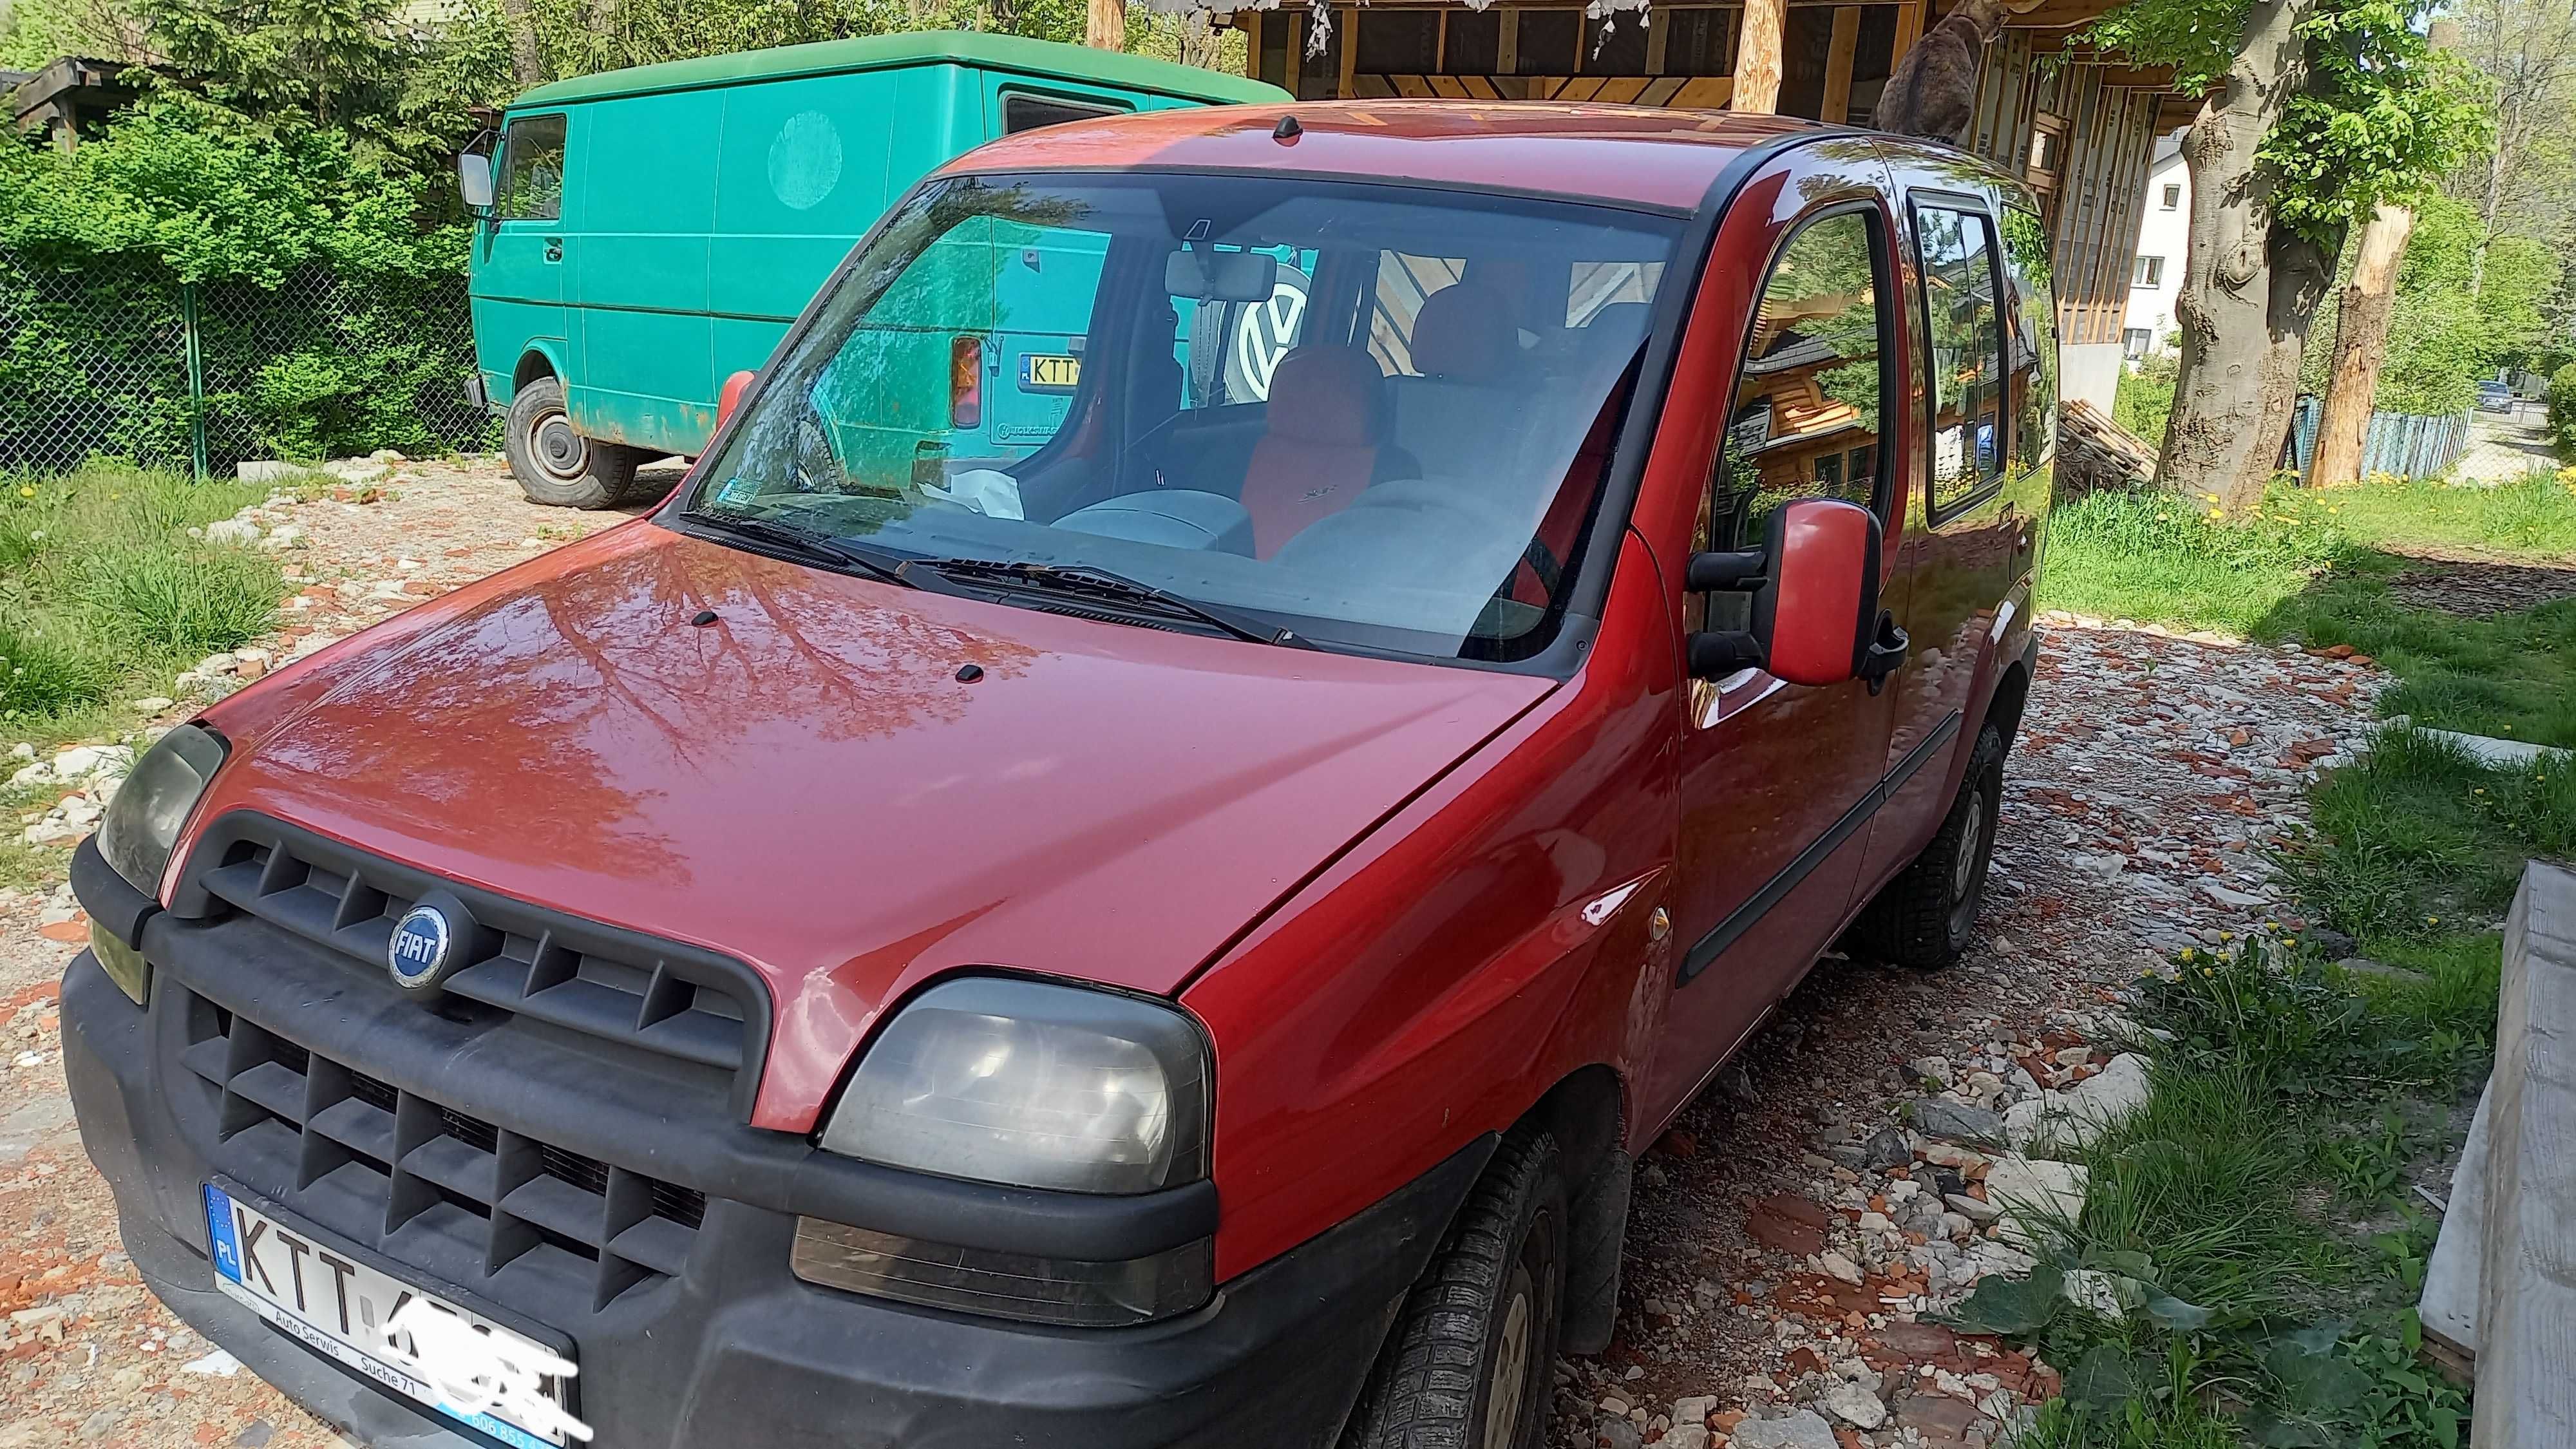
(731, 1348)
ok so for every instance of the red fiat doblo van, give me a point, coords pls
(1172, 936)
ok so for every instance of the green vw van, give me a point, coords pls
(645, 233)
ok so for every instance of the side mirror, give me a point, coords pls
(731, 397)
(1814, 584)
(474, 181)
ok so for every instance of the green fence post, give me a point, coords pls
(196, 379)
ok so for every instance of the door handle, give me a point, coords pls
(554, 249)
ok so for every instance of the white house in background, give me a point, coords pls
(2164, 231)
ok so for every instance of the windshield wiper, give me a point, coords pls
(1100, 583)
(815, 547)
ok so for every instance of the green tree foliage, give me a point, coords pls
(2382, 118)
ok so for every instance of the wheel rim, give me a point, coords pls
(1511, 1363)
(1963, 875)
(560, 453)
(1963, 871)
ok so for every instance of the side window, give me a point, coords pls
(532, 170)
(1967, 373)
(1021, 112)
(1807, 410)
(2034, 362)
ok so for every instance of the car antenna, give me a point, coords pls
(1286, 130)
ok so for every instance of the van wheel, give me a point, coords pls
(1471, 1360)
(1923, 917)
(556, 466)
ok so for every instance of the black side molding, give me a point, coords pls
(1743, 917)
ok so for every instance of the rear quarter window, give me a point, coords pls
(2034, 342)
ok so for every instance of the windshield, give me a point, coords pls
(1374, 415)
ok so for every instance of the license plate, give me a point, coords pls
(457, 1362)
(1050, 372)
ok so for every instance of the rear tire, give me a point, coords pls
(555, 465)
(1924, 917)
(1470, 1363)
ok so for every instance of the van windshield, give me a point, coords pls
(1376, 416)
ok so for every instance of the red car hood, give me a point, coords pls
(807, 785)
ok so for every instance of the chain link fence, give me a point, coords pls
(122, 359)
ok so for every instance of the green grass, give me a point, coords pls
(2252, 1213)
(2416, 842)
(2317, 567)
(103, 593)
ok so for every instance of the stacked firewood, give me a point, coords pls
(2094, 453)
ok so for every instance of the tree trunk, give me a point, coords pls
(525, 63)
(2302, 274)
(1106, 26)
(2216, 441)
(1202, 44)
(1757, 57)
(2361, 345)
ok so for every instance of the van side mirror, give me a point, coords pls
(474, 181)
(1814, 584)
(731, 397)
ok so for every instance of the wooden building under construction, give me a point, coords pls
(2079, 126)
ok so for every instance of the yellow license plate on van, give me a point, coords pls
(1050, 372)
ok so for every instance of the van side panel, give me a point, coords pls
(645, 374)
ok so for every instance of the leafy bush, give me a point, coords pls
(2562, 413)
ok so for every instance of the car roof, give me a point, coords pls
(1626, 155)
(1043, 59)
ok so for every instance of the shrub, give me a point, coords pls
(2562, 413)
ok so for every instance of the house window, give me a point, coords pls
(2147, 272)
(2137, 342)
(2173, 197)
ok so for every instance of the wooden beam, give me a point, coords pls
(1839, 51)
(1507, 44)
(1346, 19)
(1657, 35)
(1757, 57)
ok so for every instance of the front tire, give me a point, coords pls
(1471, 1361)
(1924, 917)
(555, 465)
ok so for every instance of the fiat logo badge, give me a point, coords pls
(418, 950)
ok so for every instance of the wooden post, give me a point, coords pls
(1346, 19)
(1105, 27)
(1909, 29)
(2361, 346)
(1757, 57)
(1838, 65)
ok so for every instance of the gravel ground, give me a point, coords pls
(1785, 1234)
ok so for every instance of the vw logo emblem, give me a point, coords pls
(418, 951)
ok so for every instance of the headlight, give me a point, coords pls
(1031, 1085)
(142, 824)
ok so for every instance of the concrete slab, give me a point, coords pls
(2506, 754)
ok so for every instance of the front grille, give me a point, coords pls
(701, 1018)
(395, 1170)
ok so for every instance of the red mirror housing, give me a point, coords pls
(731, 398)
(1817, 612)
